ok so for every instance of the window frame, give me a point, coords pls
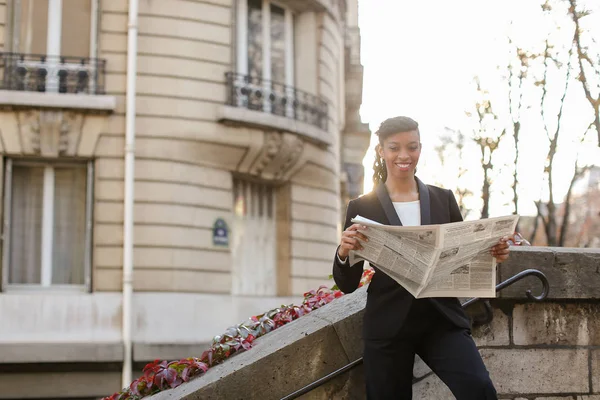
(47, 204)
(242, 41)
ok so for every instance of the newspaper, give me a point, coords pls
(447, 260)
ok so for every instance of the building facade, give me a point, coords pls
(247, 143)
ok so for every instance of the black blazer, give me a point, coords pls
(388, 303)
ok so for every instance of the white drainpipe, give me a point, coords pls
(129, 195)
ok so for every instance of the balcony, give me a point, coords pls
(41, 73)
(269, 105)
(29, 80)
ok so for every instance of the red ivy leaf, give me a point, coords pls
(166, 377)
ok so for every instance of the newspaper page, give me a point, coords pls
(447, 260)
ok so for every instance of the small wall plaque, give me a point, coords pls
(220, 233)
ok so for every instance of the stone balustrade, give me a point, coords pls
(535, 351)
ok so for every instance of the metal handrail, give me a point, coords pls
(489, 316)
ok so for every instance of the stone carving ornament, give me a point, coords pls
(279, 154)
(50, 133)
(272, 145)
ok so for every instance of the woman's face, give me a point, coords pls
(401, 152)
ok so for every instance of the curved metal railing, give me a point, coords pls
(257, 94)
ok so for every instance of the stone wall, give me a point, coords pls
(185, 156)
(536, 351)
(542, 351)
(181, 187)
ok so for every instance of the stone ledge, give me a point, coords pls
(18, 99)
(279, 364)
(286, 359)
(241, 116)
(572, 273)
(347, 320)
(60, 352)
(305, 350)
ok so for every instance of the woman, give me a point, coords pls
(396, 325)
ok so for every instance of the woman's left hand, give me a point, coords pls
(501, 250)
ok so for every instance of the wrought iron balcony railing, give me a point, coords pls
(275, 98)
(41, 73)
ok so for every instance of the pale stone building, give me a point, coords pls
(247, 142)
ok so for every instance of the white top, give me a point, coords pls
(409, 212)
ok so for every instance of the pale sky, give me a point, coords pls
(420, 58)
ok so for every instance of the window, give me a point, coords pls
(265, 53)
(264, 76)
(47, 229)
(53, 27)
(254, 239)
(266, 41)
(54, 41)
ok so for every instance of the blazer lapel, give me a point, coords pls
(425, 204)
(386, 204)
(390, 211)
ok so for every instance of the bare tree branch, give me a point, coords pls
(487, 144)
(515, 109)
(577, 174)
(455, 140)
(550, 223)
(543, 85)
(581, 57)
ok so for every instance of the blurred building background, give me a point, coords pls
(248, 143)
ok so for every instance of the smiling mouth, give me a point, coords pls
(403, 165)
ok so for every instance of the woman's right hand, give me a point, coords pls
(351, 240)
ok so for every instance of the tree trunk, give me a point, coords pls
(597, 122)
(550, 224)
(565, 220)
(516, 129)
(536, 223)
(485, 194)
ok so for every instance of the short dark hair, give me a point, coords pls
(395, 125)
